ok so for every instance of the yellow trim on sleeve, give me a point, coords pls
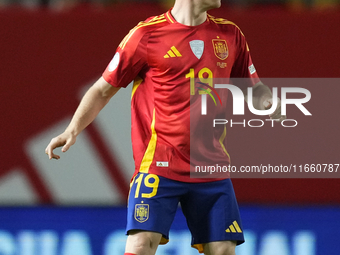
(224, 22)
(150, 150)
(141, 24)
(138, 80)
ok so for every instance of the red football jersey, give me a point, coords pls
(163, 57)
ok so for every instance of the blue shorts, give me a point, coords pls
(210, 208)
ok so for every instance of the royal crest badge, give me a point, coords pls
(141, 212)
(220, 48)
(197, 47)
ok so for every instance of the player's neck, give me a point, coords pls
(189, 14)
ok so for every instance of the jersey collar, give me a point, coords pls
(172, 20)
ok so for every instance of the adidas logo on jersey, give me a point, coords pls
(234, 228)
(173, 53)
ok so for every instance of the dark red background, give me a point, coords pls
(46, 57)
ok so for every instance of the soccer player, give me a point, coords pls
(164, 55)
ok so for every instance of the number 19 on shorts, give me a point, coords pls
(150, 181)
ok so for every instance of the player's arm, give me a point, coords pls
(91, 104)
(123, 68)
(263, 100)
(243, 68)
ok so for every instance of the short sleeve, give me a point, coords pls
(128, 61)
(243, 66)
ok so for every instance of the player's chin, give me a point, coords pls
(216, 3)
(213, 4)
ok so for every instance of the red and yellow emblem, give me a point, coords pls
(220, 48)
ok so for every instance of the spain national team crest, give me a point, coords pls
(220, 48)
(141, 212)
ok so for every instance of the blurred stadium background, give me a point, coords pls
(52, 50)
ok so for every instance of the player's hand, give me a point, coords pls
(276, 115)
(65, 139)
